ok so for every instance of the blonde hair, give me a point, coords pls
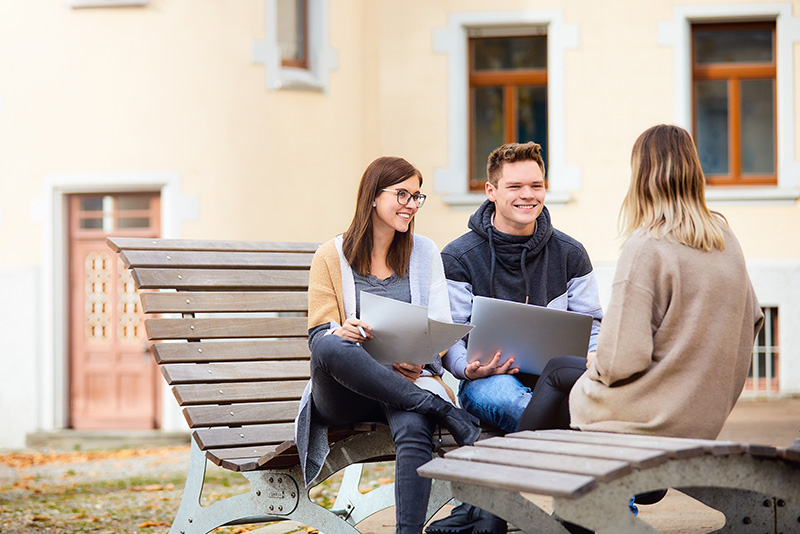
(666, 197)
(510, 153)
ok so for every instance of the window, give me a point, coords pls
(734, 95)
(507, 96)
(293, 33)
(763, 376)
(295, 51)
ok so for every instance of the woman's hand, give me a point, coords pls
(350, 330)
(475, 370)
(590, 358)
(408, 370)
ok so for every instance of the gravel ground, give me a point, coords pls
(119, 492)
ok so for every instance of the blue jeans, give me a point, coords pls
(497, 399)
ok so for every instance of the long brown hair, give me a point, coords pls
(382, 173)
(666, 197)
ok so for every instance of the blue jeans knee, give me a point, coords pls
(498, 399)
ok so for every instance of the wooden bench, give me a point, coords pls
(228, 322)
(591, 477)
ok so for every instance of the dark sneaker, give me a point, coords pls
(468, 519)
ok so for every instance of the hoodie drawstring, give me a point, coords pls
(524, 273)
(490, 233)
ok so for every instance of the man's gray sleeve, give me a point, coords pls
(455, 360)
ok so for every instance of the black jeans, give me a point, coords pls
(549, 405)
(351, 387)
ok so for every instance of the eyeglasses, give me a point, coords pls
(404, 197)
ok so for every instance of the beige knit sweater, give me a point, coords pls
(675, 345)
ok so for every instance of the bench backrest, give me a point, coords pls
(229, 331)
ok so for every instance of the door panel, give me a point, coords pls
(113, 379)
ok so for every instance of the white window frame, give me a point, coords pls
(322, 59)
(678, 35)
(453, 181)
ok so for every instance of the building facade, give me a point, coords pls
(255, 119)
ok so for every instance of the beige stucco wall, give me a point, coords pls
(172, 87)
(90, 98)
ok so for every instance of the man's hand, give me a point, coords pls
(476, 370)
(590, 358)
(408, 370)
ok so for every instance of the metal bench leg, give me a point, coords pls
(355, 506)
(511, 506)
(273, 496)
(742, 509)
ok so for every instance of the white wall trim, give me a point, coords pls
(49, 210)
(321, 57)
(452, 40)
(677, 35)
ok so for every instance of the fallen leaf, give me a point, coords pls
(148, 524)
(41, 518)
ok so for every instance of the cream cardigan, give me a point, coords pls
(676, 342)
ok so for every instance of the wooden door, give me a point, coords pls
(113, 380)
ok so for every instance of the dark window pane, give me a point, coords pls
(291, 29)
(504, 53)
(92, 204)
(134, 222)
(732, 46)
(712, 125)
(532, 119)
(134, 203)
(92, 224)
(758, 127)
(488, 127)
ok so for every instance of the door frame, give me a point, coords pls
(176, 208)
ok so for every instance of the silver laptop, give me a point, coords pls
(532, 334)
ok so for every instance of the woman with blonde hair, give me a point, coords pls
(379, 253)
(676, 342)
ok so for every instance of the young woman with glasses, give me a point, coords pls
(379, 253)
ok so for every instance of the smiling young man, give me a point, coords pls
(511, 252)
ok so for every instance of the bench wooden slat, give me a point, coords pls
(640, 458)
(141, 243)
(190, 394)
(223, 328)
(273, 434)
(225, 301)
(676, 447)
(601, 469)
(220, 351)
(240, 414)
(509, 478)
(198, 279)
(178, 373)
(173, 259)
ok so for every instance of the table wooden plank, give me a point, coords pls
(508, 478)
(639, 458)
(676, 447)
(600, 469)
